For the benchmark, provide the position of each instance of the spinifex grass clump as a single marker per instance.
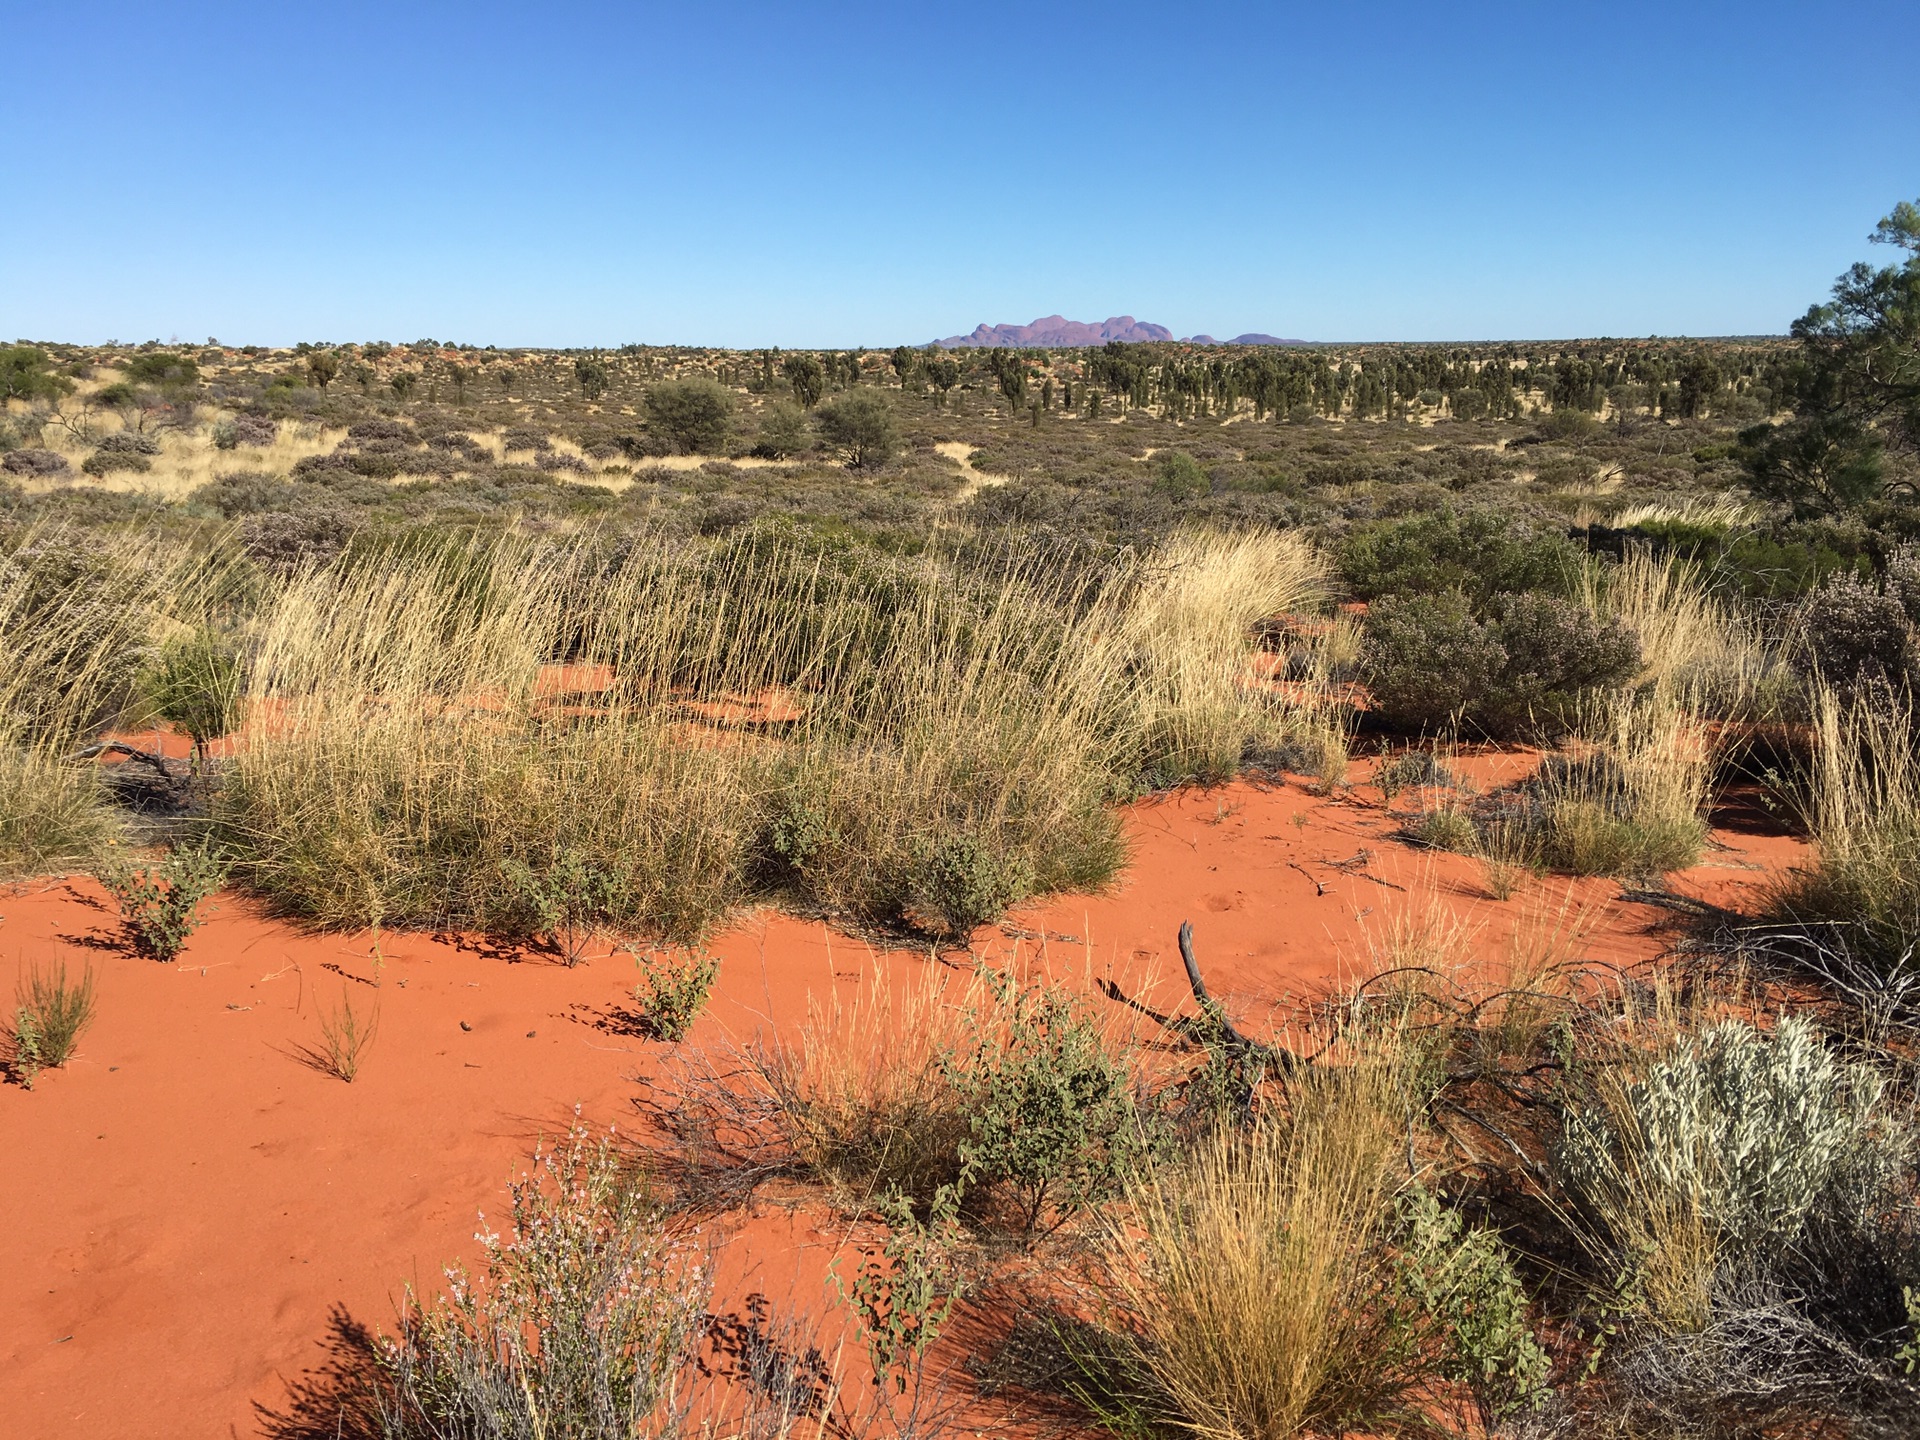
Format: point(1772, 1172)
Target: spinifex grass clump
point(1624, 796)
point(458, 740)
point(1862, 803)
point(79, 617)
point(160, 901)
point(48, 1017)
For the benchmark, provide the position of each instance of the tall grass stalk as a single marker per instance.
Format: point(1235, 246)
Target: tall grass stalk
point(1862, 805)
point(1251, 1270)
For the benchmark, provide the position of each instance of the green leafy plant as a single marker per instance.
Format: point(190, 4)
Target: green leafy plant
point(675, 991)
point(1054, 1123)
point(195, 686)
point(565, 901)
point(1461, 1278)
point(160, 902)
point(49, 1015)
point(904, 1292)
point(585, 1320)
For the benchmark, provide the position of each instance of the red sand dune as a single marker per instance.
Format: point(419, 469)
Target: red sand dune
point(188, 1202)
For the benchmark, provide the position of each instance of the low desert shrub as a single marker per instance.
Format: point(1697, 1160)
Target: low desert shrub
point(1480, 553)
point(1858, 640)
point(564, 902)
point(49, 1015)
point(675, 990)
point(1430, 662)
point(160, 901)
point(1054, 1126)
point(1743, 1193)
point(284, 541)
point(585, 1320)
point(33, 463)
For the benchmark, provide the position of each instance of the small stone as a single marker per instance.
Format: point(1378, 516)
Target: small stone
point(465, 1026)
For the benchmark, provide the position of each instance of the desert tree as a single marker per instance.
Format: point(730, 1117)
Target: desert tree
point(592, 374)
point(943, 374)
point(26, 374)
point(807, 376)
point(403, 382)
point(1855, 437)
point(859, 426)
point(506, 375)
point(693, 414)
point(322, 367)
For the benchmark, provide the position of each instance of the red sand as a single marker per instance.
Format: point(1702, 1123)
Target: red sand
point(187, 1202)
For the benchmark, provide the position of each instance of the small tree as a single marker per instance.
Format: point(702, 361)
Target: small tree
point(322, 366)
point(860, 426)
point(943, 374)
point(506, 376)
point(807, 376)
point(694, 414)
point(904, 360)
point(783, 431)
point(403, 382)
point(24, 375)
point(592, 373)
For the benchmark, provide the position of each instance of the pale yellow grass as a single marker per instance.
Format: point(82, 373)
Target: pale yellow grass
point(188, 457)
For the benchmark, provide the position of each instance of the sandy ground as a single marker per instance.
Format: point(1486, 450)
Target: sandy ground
point(189, 1204)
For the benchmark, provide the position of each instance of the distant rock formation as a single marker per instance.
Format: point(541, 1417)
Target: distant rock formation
point(1056, 332)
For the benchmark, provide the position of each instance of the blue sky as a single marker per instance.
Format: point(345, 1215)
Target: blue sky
point(805, 174)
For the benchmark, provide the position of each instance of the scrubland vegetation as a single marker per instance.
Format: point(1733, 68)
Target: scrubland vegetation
point(589, 650)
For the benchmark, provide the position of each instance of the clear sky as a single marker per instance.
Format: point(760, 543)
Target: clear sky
point(811, 174)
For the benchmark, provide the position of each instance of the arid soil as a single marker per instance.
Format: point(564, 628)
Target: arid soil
point(191, 1203)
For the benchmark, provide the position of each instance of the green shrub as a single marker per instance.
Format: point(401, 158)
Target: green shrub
point(783, 432)
point(564, 901)
point(960, 881)
point(1054, 1126)
point(694, 415)
point(675, 990)
point(48, 1018)
point(859, 426)
point(195, 686)
point(160, 902)
point(1479, 553)
point(1429, 661)
point(1179, 476)
point(1461, 1279)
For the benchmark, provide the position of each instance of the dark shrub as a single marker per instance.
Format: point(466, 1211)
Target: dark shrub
point(286, 540)
point(129, 442)
point(521, 438)
point(1428, 659)
point(1180, 477)
point(693, 414)
point(33, 462)
point(246, 492)
point(783, 432)
point(1480, 553)
point(368, 431)
point(106, 462)
point(1859, 639)
point(1556, 650)
point(859, 425)
point(254, 430)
